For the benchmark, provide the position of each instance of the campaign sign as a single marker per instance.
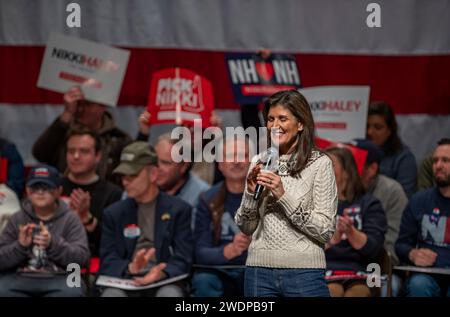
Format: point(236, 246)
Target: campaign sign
point(340, 112)
point(254, 78)
point(180, 96)
point(98, 69)
point(360, 155)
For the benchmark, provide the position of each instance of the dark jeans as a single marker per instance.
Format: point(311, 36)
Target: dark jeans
point(218, 282)
point(272, 282)
point(427, 285)
point(16, 285)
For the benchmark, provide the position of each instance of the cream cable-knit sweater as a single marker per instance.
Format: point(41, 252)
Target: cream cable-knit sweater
point(291, 232)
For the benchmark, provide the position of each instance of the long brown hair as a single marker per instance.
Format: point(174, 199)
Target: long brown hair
point(354, 187)
point(393, 144)
point(296, 103)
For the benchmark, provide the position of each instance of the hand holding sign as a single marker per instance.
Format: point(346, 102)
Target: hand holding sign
point(71, 99)
point(70, 61)
point(215, 120)
point(144, 123)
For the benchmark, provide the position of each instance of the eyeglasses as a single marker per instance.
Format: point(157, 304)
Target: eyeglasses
point(41, 187)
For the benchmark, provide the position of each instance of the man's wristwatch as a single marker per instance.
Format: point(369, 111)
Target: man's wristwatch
point(89, 220)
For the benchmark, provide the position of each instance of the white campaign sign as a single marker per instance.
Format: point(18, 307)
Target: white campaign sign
point(97, 68)
point(340, 112)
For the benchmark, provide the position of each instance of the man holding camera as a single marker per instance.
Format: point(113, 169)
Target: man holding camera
point(41, 240)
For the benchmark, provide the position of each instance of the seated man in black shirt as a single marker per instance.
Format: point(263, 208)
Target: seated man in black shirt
point(83, 190)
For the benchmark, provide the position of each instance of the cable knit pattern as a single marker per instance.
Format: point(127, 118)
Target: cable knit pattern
point(291, 232)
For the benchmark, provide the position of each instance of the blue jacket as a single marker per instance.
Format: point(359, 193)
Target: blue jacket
point(401, 167)
point(426, 224)
point(173, 236)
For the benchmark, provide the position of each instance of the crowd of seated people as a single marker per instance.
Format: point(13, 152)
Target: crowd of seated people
point(96, 194)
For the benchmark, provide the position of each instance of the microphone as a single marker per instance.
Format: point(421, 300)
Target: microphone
point(272, 154)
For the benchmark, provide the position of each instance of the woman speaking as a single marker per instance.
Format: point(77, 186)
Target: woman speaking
point(296, 214)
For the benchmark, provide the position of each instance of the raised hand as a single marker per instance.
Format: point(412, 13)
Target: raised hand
point(26, 234)
point(141, 259)
point(80, 202)
point(71, 99)
point(144, 123)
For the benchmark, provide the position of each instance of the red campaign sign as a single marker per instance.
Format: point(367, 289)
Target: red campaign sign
point(180, 96)
point(360, 155)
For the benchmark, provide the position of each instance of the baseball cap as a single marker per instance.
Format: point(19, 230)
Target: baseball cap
point(374, 152)
point(134, 157)
point(44, 174)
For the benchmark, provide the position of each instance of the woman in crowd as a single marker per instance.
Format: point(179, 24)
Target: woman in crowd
point(398, 163)
point(360, 230)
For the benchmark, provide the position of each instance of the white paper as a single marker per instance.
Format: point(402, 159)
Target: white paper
point(128, 284)
point(429, 270)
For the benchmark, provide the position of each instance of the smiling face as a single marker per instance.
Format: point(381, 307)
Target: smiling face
point(284, 127)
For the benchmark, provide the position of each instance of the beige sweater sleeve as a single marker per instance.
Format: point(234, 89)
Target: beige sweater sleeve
point(315, 217)
point(247, 216)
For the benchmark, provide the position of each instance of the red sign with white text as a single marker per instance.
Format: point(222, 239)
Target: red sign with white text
point(180, 96)
point(360, 155)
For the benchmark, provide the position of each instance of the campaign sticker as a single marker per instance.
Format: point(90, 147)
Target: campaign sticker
point(132, 231)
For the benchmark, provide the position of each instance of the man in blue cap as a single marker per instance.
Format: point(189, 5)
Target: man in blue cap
point(41, 240)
